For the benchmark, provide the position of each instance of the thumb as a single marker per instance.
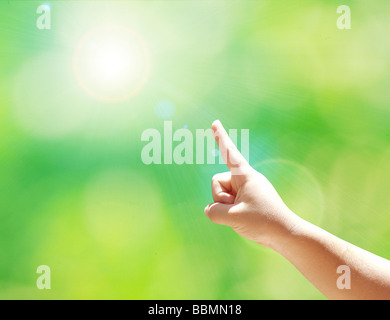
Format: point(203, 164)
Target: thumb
point(219, 213)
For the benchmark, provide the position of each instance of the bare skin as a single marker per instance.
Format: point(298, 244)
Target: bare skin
point(247, 202)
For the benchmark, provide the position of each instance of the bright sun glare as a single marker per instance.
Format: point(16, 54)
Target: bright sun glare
point(111, 63)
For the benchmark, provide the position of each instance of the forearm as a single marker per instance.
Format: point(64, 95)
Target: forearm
point(317, 254)
point(249, 204)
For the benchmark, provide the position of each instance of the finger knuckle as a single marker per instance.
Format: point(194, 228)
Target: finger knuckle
point(214, 181)
point(212, 217)
point(215, 177)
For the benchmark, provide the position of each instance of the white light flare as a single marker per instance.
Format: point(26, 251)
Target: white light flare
point(111, 63)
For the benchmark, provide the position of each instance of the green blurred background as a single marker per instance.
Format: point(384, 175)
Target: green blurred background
point(74, 194)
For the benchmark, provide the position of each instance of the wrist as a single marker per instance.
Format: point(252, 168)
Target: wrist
point(291, 230)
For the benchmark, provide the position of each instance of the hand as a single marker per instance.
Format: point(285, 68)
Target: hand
point(245, 200)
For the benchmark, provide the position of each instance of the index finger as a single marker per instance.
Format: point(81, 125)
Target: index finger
point(230, 154)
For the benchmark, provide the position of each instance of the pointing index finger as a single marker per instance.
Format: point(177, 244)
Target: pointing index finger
point(230, 154)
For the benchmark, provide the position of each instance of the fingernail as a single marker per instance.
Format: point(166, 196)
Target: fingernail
point(215, 123)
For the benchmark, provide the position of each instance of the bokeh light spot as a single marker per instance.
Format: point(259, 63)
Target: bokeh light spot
point(165, 109)
point(216, 153)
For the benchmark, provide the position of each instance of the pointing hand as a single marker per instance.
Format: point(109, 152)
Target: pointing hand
point(245, 200)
